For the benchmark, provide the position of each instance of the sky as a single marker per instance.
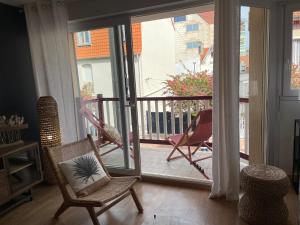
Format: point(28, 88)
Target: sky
point(245, 15)
point(244, 12)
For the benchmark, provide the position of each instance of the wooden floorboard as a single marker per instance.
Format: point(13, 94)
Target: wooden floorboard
point(163, 205)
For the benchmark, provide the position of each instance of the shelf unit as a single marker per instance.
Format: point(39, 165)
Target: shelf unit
point(20, 170)
point(20, 166)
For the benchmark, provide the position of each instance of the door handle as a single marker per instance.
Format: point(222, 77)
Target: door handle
point(130, 105)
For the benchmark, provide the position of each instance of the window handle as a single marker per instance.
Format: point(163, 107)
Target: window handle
point(130, 105)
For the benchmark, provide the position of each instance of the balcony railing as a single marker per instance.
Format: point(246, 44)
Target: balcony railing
point(159, 117)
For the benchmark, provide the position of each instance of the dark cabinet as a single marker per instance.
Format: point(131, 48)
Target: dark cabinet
point(296, 156)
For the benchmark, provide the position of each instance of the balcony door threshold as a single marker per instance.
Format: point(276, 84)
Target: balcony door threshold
point(177, 181)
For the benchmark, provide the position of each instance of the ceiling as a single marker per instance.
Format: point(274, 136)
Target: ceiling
point(16, 2)
point(21, 2)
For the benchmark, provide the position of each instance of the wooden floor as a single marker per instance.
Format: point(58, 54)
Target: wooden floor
point(170, 205)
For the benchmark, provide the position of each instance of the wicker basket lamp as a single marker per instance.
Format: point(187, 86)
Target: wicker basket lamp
point(50, 135)
point(264, 188)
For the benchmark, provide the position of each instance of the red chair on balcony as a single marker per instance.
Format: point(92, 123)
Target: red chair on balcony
point(197, 134)
point(107, 136)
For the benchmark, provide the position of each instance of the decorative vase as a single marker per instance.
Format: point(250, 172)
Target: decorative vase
point(50, 135)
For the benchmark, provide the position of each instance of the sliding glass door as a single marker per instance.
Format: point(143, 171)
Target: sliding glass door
point(106, 82)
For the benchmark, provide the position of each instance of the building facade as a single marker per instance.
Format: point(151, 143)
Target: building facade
point(194, 35)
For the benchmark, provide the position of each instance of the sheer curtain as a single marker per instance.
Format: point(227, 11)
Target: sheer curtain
point(48, 35)
point(226, 100)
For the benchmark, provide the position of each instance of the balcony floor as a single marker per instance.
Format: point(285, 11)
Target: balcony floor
point(153, 161)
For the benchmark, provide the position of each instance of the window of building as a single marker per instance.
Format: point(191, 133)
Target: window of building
point(192, 27)
point(86, 80)
point(83, 38)
point(179, 19)
point(87, 73)
point(193, 44)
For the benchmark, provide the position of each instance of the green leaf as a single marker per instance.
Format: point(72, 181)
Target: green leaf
point(85, 167)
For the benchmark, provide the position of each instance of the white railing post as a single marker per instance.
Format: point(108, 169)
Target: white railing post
point(165, 119)
point(142, 118)
point(157, 120)
point(172, 117)
point(180, 117)
point(189, 115)
point(107, 112)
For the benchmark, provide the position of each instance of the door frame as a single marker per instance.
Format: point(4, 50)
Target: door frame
point(111, 20)
point(116, 23)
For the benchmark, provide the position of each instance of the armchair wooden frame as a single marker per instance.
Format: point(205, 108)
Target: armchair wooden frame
point(112, 193)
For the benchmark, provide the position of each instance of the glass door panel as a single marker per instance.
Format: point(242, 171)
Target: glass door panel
point(295, 66)
point(291, 80)
point(107, 92)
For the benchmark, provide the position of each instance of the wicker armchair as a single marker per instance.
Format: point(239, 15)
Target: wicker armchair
point(116, 190)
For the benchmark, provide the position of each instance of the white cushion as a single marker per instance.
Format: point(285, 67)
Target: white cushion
point(113, 132)
point(85, 174)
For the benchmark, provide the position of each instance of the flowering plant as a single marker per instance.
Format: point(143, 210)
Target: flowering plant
point(197, 84)
point(295, 76)
point(87, 91)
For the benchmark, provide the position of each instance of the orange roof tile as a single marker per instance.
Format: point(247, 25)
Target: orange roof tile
point(99, 47)
point(208, 16)
point(245, 60)
point(203, 53)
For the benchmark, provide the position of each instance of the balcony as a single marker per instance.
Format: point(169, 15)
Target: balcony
point(158, 118)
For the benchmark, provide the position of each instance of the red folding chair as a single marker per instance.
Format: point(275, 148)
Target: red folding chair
point(106, 138)
point(197, 134)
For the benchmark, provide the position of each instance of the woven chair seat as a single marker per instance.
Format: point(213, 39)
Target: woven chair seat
point(116, 187)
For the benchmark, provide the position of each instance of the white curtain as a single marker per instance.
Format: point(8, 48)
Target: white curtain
point(49, 43)
point(226, 100)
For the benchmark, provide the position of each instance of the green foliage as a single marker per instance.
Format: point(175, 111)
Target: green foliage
point(87, 91)
point(295, 77)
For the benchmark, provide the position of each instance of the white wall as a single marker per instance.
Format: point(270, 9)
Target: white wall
point(103, 81)
point(158, 54)
point(102, 76)
point(190, 58)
